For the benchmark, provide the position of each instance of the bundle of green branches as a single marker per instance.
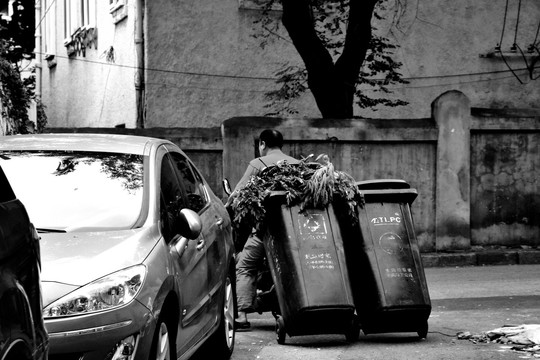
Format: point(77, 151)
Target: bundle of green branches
point(308, 184)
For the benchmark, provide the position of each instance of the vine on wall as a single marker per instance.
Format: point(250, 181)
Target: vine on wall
point(18, 93)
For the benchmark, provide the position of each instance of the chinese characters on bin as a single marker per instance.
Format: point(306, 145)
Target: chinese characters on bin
point(319, 261)
point(399, 273)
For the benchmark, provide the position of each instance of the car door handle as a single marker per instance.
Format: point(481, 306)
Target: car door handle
point(181, 246)
point(201, 244)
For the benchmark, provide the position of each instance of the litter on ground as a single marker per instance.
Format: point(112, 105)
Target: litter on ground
point(524, 338)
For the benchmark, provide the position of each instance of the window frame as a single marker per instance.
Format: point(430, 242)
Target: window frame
point(164, 207)
point(78, 14)
point(49, 25)
point(198, 180)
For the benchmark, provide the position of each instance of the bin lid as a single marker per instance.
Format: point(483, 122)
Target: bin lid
point(387, 190)
point(379, 184)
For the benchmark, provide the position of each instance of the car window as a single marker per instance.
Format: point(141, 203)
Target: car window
point(172, 199)
point(6, 192)
point(71, 191)
point(191, 181)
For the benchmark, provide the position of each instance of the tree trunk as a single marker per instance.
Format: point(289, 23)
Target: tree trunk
point(332, 85)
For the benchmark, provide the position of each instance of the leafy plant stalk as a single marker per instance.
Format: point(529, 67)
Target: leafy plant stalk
point(307, 184)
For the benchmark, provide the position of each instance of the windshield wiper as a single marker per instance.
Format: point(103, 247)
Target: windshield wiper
point(45, 230)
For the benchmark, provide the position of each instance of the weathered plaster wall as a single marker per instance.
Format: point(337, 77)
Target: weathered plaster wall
point(85, 90)
point(205, 66)
point(452, 110)
point(506, 187)
point(364, 148)
point(476, 170)
point(441, 42)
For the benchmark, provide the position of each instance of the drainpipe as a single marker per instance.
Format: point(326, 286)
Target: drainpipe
point(139, 50)
point(37, 51)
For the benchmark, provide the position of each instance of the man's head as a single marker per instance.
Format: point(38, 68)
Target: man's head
point(268, 140)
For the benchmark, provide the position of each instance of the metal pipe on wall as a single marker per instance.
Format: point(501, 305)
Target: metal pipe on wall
point(139, 49)
point(37, 50)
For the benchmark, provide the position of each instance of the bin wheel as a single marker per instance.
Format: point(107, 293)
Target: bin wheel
point(423, 331)
point(353, 331)
point(280, 330)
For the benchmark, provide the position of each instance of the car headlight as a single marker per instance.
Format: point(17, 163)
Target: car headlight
point(111, 291)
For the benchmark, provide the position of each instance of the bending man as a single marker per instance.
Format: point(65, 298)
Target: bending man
point(250, 259)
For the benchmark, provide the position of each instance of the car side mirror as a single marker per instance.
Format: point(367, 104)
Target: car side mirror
point(189, 224)
point(227, 186)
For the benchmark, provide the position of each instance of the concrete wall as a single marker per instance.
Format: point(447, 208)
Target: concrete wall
point(452, 113)
point(505, 173)
point(476, 170)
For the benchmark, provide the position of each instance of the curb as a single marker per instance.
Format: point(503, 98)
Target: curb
point(487, 257)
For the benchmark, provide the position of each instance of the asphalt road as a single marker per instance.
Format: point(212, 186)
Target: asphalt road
point(474, 299)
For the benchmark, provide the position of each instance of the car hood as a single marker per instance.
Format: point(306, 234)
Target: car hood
point(70, 260)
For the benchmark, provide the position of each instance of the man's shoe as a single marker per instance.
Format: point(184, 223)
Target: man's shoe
point(241, 325)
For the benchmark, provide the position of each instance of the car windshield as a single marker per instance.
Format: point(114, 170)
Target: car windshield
point(70, 191)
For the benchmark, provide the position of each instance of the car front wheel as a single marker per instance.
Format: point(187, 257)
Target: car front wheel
point(162, 345)
point(221, 344)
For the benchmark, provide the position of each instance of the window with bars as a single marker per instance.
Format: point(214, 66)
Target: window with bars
point(79, 26)
point(49, 28)
point(78, 14)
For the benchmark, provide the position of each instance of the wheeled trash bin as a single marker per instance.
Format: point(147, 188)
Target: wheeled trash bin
point(306, 258)
point(387, 275)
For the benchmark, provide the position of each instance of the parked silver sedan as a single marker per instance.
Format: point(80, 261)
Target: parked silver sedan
point(137, 252)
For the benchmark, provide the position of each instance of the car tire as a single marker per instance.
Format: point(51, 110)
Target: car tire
point(220, 345)
point(163, 344)
point(18, 353)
